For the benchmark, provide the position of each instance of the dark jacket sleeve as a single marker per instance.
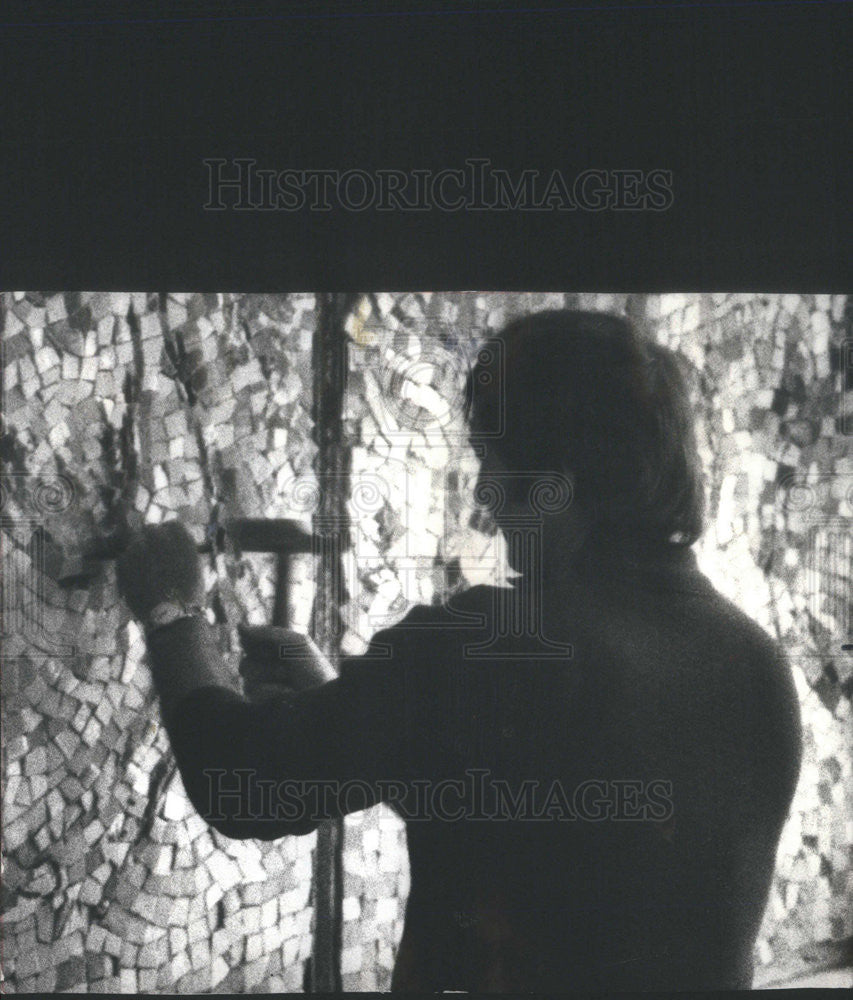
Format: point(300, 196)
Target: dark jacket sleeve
point(264, 770)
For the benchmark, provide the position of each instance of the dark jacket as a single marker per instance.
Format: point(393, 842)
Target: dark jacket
point(603, 817)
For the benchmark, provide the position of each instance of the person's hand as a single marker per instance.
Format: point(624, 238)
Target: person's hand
point(160, 564)
point(279, 660)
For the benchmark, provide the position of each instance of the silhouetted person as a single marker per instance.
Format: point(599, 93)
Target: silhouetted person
point(594, 796)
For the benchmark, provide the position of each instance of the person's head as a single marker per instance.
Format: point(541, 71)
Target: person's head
point(585, 395)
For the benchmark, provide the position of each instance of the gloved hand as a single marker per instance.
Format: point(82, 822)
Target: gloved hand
point(279, 660)
point(160, 564)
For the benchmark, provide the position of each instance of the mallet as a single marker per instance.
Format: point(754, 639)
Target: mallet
point(280, 536)
point(285, 538)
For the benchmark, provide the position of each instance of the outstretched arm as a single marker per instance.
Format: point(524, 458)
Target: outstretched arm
point(275, 767)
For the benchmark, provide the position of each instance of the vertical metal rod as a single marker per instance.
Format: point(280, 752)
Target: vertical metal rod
point(330, 519)
point(281, 599)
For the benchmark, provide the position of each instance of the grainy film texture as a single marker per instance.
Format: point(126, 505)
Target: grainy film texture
point(156, 406)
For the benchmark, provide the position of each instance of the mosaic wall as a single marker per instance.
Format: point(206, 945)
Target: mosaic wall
point(197, 406)
point(775, 374)
point(167, 406)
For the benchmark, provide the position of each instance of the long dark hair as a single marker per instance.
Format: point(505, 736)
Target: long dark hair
point(584, 393)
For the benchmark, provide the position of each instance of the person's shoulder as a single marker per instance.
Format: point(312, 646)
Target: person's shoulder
point(428, 629)
point(464, 608)
point(753, 656)
point(742, 629)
